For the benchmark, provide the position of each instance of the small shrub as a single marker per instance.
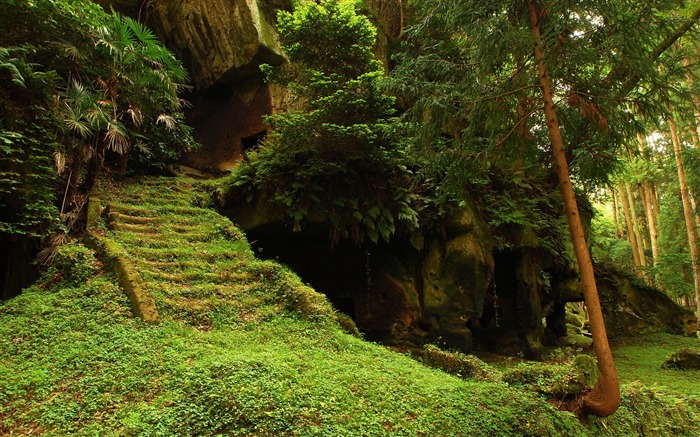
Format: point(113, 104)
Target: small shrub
point(75, 262)
point(459, 364)
point(555, 380)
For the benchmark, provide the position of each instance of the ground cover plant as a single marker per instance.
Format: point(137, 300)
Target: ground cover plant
point(242, 355)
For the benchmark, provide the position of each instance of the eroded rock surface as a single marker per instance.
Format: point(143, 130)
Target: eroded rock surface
point(220, 41)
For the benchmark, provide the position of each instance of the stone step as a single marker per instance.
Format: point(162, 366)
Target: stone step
point(130, 219)
point(146, 211)
point(179, 253)
point(169, 266)
point(206, 290)
point(148, 197)
point(167, 234)
point(194, 277)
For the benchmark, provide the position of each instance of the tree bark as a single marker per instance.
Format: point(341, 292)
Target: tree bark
point(628, 222)
point(649, 209)
point(618, 233)
point(655, 200)
point(604, 400)
point(635, 227)
point(688, 215)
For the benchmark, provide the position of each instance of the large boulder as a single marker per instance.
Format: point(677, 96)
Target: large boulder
point(630, 306)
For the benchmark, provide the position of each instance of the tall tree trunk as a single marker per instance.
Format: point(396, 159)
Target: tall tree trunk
point(618, 232)
point(655, 201)
point(696, 102)
point(628, 222)
point(605, 397)
point(94, 166)
point(635, 227)
point(649, 208)
point(688, 214)
point(653, 233)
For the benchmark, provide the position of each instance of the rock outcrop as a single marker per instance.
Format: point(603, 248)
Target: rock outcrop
point(630, 306)
point(220, 41)
point(222, 44)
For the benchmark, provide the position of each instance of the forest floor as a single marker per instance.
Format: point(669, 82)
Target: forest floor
point(245, 348)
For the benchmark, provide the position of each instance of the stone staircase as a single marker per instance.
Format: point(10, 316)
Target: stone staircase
point(194, 264)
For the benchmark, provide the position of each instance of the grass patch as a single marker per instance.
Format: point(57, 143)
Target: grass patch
point(261, 355)
point(640, 358)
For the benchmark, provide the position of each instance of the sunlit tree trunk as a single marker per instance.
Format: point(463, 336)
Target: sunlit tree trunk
point(688, 214)
point(655, 201)
point(649, 210)
point(605, 397)
point(628, 222)
point(696, 103)
point(635, 227)
point(618, 232)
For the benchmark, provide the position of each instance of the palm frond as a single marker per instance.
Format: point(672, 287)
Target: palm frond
point(16, 76)
point(167, 120)
point(142, 33)
point(60, 160)
point(117, 137)
point(136, 115)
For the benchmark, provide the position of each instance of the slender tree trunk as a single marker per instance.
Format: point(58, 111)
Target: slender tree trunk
point(649, 209)
point(618, 232)
point(653, 233)
point(605, 397)
point(635, 227)
point(655, 200)
point(696, 102)
point(95, 166)
point(688, 214)
point(644, 226)
point(694, 209)
point(628, 222)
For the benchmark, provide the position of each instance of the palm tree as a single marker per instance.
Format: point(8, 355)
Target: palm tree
point(139, 81)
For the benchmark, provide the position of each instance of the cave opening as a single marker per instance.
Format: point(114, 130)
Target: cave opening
point(17, 267)
point(339, 272)
point(360, 281)
point(251, 142)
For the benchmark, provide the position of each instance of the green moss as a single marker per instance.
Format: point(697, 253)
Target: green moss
point(554, 380)
point(260, 354)
point(456, 363)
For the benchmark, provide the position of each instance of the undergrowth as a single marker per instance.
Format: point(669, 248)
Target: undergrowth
point(256, 354)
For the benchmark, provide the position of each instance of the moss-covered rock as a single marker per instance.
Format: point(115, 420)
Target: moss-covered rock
point(683, 359)
point(456, 363)
point(456, 276)
point(220, 41)
point(629, 306)
point(555, 380)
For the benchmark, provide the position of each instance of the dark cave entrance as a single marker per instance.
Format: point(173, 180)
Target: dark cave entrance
point(17, 268)
point(360, 281)
point(251, 142)
point(339, 272)
point(496, 330)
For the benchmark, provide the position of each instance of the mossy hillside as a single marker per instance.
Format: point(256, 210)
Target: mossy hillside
point(74, 361)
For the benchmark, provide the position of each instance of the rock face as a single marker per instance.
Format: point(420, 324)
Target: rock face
point(222, 44)
point(629, 306)
point(456, 274)
point(220, 41)
point(227, 122)
point(443, 294)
